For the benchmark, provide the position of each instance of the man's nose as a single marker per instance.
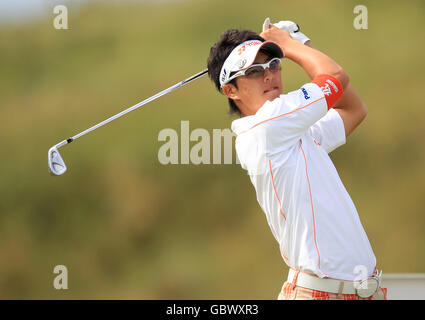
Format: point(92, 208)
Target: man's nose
point(267, 75)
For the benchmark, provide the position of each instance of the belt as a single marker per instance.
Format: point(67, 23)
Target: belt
point(364, 288)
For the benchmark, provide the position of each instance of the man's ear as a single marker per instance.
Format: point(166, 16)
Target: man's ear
point(230, 91)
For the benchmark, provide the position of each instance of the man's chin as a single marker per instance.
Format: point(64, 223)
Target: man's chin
point(272, 94)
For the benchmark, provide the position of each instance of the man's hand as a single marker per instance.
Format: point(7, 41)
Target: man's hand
point(350, 107)
point(288, 26)
point(277, 35)
point(314, 62)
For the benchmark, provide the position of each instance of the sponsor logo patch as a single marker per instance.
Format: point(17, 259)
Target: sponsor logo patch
point(241, 49)
point(326, 89)
point(241, 63)
point(306, 96)
point(223, 77)
point(333, 85)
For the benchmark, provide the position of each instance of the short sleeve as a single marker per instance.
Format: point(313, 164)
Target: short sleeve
point(284, 120)
point(329, 131)
point(305, 106)
point(278, 125)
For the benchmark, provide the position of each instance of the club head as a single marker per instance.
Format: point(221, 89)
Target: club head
point(56, 164)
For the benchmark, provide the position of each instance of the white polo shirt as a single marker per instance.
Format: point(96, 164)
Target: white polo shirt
point(284, 147)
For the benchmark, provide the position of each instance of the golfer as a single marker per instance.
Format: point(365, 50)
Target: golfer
point(283, 141)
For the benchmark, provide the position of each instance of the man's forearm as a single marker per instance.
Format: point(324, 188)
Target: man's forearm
point(311, 60)
point(314, 62)
point(351, 108)
point(350, 103)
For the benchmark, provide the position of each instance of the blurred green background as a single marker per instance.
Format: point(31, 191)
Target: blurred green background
point(127, 227)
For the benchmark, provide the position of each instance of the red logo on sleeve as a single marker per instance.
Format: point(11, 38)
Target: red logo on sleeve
point(331, 88)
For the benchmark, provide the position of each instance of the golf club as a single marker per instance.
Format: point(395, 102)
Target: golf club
point(57, 165)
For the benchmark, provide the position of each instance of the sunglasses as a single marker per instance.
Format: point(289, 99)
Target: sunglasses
point(257, 70)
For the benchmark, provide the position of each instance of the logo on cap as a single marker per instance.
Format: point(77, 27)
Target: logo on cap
point(241, 49)
point(223, 77)
point(241, 63)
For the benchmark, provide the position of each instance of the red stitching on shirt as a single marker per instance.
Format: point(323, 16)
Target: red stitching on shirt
point(284, 114)
point(274, 187)
point(311, 201)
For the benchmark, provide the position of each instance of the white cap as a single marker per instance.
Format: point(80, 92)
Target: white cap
point(243, 56)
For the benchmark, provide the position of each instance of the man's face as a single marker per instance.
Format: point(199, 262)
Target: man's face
point(252, 92)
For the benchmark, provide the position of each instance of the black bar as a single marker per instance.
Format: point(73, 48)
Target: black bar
point(200, 309)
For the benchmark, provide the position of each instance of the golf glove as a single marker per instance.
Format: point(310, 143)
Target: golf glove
point(291, 27)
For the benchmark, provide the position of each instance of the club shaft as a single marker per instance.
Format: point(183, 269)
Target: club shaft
point(136, 106)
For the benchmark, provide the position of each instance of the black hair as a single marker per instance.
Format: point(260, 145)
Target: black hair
point(219, 52)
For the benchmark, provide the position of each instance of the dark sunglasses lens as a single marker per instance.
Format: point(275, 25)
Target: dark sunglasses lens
point(274, 65)
point(253, 71)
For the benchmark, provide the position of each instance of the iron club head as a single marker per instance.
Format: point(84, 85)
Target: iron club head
point(56, 164)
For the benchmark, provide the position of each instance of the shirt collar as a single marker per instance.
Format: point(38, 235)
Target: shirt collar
point(241, 124)
point(245, 123)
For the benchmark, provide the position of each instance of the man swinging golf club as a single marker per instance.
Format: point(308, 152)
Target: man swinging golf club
point(283, 141)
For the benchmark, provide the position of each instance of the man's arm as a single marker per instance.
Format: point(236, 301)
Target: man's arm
point(311, 60)
point(350, 107)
